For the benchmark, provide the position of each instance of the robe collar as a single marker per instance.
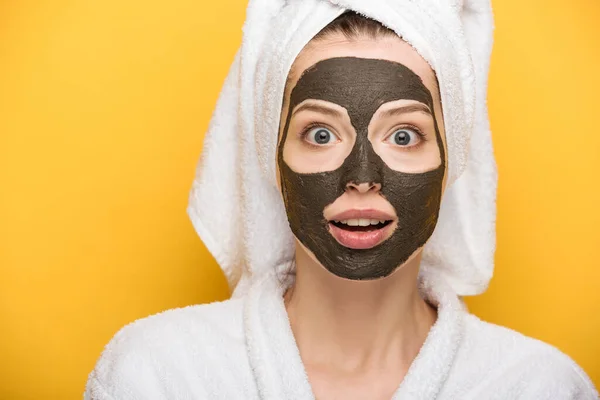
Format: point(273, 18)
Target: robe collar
point(275, 358)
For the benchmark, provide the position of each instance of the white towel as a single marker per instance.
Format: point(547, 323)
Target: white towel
point(234, 203)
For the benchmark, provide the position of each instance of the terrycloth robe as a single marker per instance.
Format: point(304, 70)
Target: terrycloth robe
point(244, 348)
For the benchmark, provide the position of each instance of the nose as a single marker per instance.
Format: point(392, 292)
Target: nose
point(364, 187)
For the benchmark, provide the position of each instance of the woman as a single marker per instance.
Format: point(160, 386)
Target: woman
point(351, 234)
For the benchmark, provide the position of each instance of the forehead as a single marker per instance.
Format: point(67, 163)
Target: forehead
point(383, 48)
point(359, 84)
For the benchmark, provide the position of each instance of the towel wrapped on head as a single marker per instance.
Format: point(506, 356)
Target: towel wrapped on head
point(235, 205)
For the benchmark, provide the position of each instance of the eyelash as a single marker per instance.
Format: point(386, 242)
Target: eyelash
point(308, 128)
point(422, 136)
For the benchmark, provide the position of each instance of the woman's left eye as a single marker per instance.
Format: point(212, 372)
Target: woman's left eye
point(405, 137)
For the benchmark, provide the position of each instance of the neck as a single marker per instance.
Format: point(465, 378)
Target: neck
point(357, 325)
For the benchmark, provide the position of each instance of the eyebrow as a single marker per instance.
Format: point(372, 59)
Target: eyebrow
point(318, 108)
point(419, 107)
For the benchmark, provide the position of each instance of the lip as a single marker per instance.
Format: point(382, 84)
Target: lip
point(366, 213)
point(361, 240)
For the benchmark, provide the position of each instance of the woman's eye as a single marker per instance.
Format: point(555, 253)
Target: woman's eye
point(405, 137)
point(320, 135)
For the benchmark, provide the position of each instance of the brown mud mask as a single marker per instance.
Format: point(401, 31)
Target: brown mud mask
point(361, 86)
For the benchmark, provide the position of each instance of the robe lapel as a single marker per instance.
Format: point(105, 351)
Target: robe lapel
point(272, 350)
point(279, 371)
point(430, 369)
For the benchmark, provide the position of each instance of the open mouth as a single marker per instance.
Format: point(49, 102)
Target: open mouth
point(361, 233)
point(361, 225)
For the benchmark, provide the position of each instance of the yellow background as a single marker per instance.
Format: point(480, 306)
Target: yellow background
point(103, 105)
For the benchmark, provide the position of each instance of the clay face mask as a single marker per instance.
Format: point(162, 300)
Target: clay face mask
point(361, 86)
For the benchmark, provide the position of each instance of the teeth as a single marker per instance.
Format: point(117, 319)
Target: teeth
point(361, 222)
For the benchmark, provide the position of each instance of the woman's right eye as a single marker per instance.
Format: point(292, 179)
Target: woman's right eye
point(320, 135)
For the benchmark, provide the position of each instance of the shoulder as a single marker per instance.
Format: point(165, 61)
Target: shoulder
point(166, 352)
point(512, 365)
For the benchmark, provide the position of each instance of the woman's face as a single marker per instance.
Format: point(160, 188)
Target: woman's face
point(361, 155)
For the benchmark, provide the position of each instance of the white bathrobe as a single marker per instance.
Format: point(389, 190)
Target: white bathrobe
point(244, 349)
